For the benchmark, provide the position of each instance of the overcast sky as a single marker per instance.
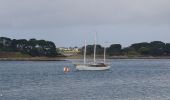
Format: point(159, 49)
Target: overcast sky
point(70, 22)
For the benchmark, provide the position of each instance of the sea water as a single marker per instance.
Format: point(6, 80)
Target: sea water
point(128, 79)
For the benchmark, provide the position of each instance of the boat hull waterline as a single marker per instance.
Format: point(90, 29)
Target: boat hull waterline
point(86, 67)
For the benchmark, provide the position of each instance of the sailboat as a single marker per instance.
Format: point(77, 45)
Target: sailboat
point(94, 65)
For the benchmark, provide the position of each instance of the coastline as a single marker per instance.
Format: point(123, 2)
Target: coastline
point(121, 57)
point(78, 57)
point(34, 59)
point(144, 57)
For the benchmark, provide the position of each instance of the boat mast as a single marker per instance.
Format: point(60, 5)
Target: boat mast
point(104, 55)
point(85, 52)
point(95, 49)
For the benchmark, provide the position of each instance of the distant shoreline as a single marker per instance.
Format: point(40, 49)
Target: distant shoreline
point(76, 57)
point(121, 57)
point(139, 58)
point(33, 59)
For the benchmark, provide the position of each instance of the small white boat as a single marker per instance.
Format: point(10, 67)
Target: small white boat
point(94, 65)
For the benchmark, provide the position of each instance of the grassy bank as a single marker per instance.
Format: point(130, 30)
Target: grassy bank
point(17, 56)
point(13, 55)
point(120, 57)
point(32, 59)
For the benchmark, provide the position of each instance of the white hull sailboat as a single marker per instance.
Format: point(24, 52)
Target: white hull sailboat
point(94, 65)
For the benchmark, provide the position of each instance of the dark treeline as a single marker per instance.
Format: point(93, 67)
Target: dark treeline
point(35, 47)
point(114, 49)
point(32, 47)
point(155, 48)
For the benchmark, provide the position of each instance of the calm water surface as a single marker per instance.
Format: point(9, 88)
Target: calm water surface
point(126, 80)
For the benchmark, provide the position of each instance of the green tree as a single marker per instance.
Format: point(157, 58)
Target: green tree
point(114, 49)
point(5, 44)
point(167, 48)
point(138, 46)
point(144, 51)
point(90, 50)
point(157, 48)
point(129, 51)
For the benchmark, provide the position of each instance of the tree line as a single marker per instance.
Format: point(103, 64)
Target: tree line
point(32, 47)
point(35, 47)
point(154, 48)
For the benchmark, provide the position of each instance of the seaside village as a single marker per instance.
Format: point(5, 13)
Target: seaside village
point(70, 51)
point(6, 47)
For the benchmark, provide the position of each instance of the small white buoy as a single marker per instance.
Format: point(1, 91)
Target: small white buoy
point(66, 69)
point(1, 95)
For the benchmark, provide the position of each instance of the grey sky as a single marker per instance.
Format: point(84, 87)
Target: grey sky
point(69, 22)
